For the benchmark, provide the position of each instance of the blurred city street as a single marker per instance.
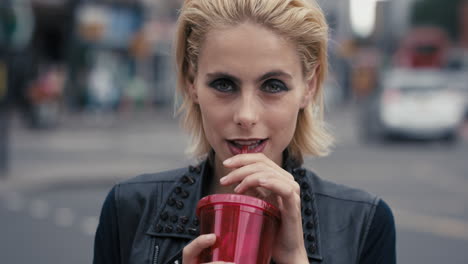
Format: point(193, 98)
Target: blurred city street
point(86, 100)
point(58, 180)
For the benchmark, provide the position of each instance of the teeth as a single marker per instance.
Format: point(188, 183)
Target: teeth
point(252, 147)
point(247, 143)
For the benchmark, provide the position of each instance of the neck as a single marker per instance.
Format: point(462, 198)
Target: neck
point(219, 171)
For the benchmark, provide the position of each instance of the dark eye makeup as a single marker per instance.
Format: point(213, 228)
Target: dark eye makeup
point(223, 85)
point(274, 86)
point(270, 86)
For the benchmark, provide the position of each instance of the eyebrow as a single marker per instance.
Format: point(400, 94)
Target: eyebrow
point(274, 73)
point(223, 75)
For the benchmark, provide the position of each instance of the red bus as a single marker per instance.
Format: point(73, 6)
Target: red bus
point(423, 47)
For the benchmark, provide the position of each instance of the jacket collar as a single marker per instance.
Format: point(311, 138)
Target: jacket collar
point(176, 217)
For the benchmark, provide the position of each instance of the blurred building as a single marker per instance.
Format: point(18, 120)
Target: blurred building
point(401, 11)
point(110, 51)
point(463, 24)
point(338, 11)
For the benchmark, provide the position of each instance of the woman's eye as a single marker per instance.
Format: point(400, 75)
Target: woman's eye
point(223, 85)
point(274, 86)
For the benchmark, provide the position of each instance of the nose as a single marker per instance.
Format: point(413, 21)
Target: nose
point(246, 114)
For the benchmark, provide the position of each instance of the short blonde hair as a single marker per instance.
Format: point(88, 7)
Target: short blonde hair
point(301, 22)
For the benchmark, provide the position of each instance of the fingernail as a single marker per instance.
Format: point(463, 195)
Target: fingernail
point(237, 188)
point(223, 179)
point(210, 237)
point(227, 162)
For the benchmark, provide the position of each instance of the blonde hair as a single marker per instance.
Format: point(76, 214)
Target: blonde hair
point(301, 22)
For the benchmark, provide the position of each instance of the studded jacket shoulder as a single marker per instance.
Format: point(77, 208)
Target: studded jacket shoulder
point(154, 218)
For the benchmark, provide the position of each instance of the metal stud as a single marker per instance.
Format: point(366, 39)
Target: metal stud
point(179, 204)
point(305, 185)
point(192, 231)
point(171, 201)
point(313, 248)
point(174, 218)
point(196, 222)
point(310, 237)
point(179, 229)
point(159, 228)
point(184, 179)
point(191, 168)
point(299, 172)
point(307, 197)
point(184, 219)
point(178, 190)
point(184, 194)
point(308, 211)
point(302, 172)
point(164, 216)
point(168, 228)
point(188, 179)
point(310, 225)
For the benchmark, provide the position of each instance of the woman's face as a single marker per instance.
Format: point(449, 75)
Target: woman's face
point(250, 87)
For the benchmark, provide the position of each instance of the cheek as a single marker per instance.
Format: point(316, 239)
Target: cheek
point(284, 122)
point(214, 116)
point(281, 119)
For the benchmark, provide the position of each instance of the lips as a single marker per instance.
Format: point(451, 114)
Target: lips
point(250, 145)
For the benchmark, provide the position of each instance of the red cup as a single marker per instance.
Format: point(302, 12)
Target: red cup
point(245, 228)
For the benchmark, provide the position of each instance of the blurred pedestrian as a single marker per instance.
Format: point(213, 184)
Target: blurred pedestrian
point(7, 25)
point(250, 74)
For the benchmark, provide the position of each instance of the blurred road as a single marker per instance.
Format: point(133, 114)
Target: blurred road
point(50, 204)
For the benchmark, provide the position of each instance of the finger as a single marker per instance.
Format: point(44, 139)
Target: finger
point(257, 180)
point(263, 194)
point(246, 159)
point(193, 249)
point(258, 192)
point(289, 192)
point(239, 174)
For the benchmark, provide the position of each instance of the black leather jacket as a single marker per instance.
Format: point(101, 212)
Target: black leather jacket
point(155, 217)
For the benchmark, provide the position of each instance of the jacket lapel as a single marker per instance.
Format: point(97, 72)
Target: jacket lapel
point(175, 216)
point(310, 217)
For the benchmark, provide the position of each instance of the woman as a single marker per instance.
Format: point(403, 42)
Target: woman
point(250, 73)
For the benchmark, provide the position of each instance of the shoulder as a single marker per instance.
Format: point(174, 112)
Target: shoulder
point(328, 190)
point(380, 243)
point(149, 180)
point(341, 207)
point(137, 191)
point(383, 221)
point(159, 177)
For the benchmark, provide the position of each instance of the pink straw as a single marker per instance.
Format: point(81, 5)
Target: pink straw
point(244, 149)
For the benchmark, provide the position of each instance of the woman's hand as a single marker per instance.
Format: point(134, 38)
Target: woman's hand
point(191, 252)
point(259, 176)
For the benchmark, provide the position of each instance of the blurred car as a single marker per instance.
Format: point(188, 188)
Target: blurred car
point(414, 104)
point(458, 67)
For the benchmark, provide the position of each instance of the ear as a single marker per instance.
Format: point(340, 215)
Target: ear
point(311, 89)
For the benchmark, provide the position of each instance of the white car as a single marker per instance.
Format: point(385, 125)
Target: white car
point(416, 103)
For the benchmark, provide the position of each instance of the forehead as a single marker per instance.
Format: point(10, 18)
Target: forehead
point(248, 49)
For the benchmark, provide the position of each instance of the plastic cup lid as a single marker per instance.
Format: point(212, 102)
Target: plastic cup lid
point(238, 199)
